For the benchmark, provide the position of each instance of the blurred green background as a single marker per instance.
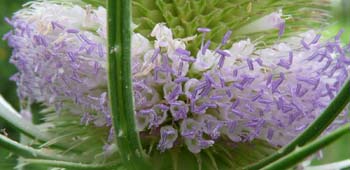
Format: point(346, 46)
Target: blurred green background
point(339, 150)
point(7, 87)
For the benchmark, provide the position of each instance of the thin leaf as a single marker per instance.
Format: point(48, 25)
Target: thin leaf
point(29, 152)
point(70, 165)
point(312, 131)
point(301, 153)
point(120, 84)
point(10, 115)
point(336, 165)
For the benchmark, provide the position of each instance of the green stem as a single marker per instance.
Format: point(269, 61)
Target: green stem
point(70, 165)
point(314, 130)
point(28, 152)
point(120, 84)
point(301, 153)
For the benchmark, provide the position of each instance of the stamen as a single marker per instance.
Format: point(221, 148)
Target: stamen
point(204, 31)
point(206, 46)
point(339, 34)
point(72, 31)
point(315, 40)
point(183, 52)
point(281, 28)
point(155, 54)
point(250, 63)
point(306, 46)
point(226, 37)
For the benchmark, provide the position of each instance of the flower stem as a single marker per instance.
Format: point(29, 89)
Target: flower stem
point(312, 131)
point(301, 153)
point(70, 165)
point(120, 84)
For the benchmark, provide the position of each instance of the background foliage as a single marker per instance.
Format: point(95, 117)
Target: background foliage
point(335, 152)
point(7, 88)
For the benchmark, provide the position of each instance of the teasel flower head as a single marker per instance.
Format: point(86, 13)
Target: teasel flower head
point(190, 91)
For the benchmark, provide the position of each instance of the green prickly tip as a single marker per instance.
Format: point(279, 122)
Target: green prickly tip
point(184, 17)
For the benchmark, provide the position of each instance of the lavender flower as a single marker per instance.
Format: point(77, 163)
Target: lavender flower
point(190, 97)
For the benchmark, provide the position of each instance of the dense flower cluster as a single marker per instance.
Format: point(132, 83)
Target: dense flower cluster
point(60, 62)
point(241, 93)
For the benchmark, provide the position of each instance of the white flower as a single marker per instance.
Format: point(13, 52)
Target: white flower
point(204, 61)
point(267, 22)
point(140, 45)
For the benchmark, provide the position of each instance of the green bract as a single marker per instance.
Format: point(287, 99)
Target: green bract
point(184, 17)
